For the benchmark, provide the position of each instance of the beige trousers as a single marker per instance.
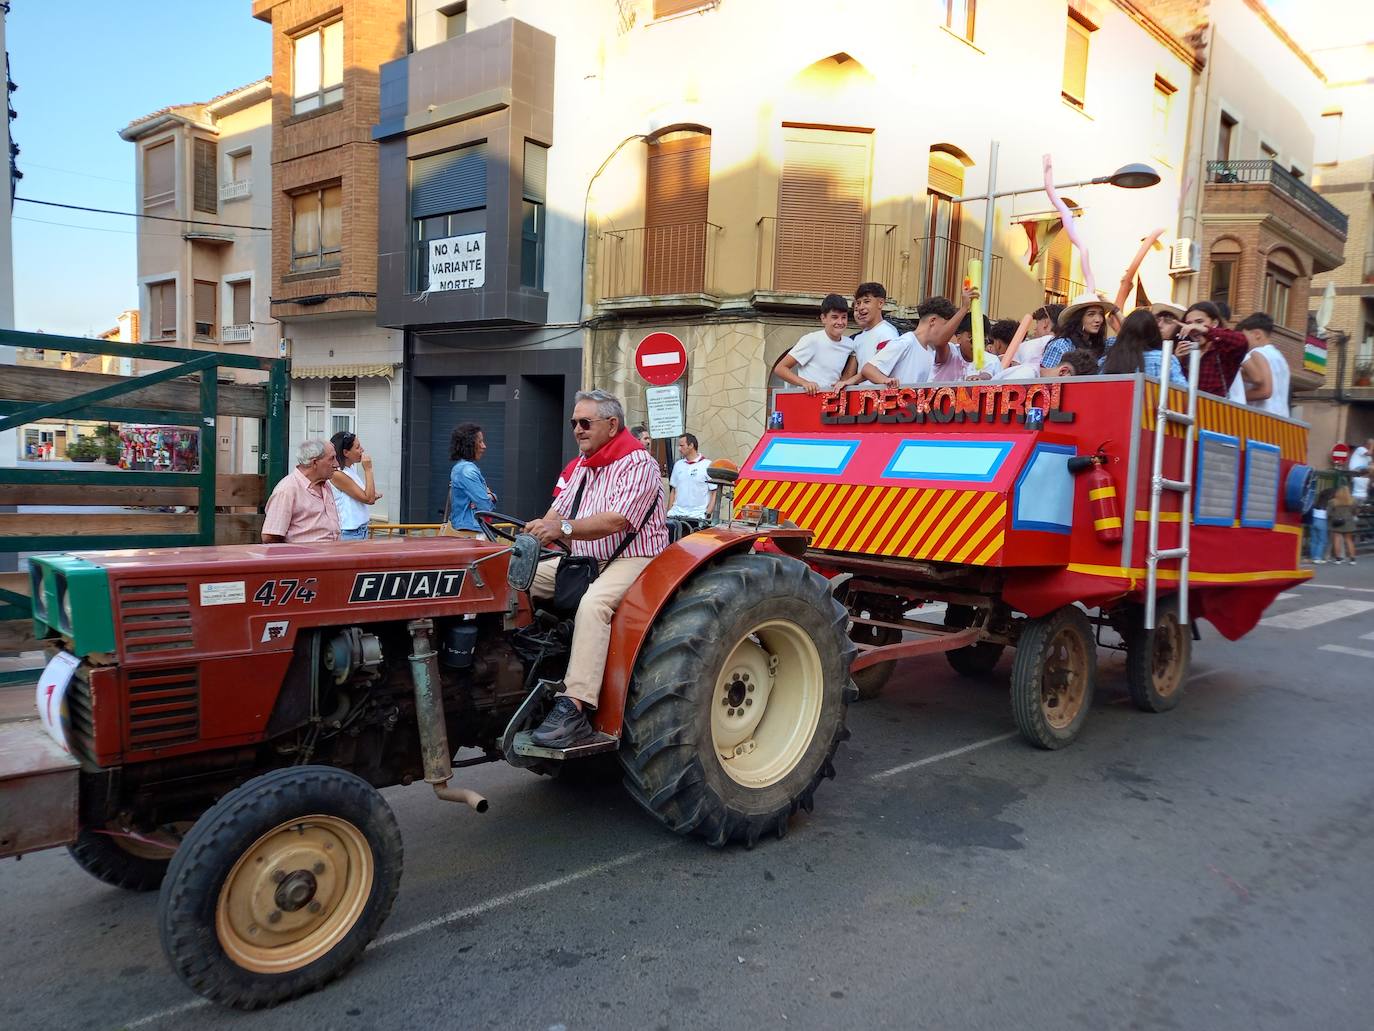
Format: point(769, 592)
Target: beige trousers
point(592, 624)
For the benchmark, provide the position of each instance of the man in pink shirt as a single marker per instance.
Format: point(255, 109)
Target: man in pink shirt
point(301, 509)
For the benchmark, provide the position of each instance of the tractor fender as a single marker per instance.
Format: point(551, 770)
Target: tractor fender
point(670, 569)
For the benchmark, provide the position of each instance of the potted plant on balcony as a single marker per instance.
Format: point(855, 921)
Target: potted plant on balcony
point(1364, 374)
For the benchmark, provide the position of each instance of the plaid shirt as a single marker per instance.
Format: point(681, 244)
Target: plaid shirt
point(1221, 361)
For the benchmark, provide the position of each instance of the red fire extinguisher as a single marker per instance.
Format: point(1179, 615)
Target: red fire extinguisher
point(1102, 500)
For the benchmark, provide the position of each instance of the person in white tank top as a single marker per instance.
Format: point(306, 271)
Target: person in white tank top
point(1265, 370)
point(352, 486)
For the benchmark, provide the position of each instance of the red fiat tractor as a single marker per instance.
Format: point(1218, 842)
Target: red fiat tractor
point(216, 722)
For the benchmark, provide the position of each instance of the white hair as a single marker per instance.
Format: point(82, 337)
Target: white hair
point(608, 406)
point(309, 450)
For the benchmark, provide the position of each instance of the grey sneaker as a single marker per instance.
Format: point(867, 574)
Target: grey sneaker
point(565, 726)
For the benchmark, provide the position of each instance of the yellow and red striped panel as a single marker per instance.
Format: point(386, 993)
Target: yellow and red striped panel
point(1245, 423)
point(964, 526)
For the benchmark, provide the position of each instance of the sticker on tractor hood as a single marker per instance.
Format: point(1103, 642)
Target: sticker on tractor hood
point(229, 592)
point(275, 630)
point(414, 585)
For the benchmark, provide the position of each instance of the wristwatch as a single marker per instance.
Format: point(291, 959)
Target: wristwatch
point(566, 527)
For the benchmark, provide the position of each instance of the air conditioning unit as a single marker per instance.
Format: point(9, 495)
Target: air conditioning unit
point(1184, 256)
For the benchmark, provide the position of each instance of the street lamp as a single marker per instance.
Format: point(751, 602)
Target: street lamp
point(1135, 176)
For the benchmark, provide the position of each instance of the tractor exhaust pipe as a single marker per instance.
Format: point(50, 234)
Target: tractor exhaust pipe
point(429, 717)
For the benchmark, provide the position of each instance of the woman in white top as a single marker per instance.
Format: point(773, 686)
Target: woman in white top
point(352, 486)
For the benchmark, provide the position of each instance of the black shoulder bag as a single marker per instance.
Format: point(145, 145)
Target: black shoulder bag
point(576, 573)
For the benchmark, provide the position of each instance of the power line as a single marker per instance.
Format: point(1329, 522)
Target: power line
point(135, 214)
point(103, 229)
point(72, 171)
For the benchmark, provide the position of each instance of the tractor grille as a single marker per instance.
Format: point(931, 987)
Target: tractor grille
point(156, 618)
point(164, 706)
point(79, 710)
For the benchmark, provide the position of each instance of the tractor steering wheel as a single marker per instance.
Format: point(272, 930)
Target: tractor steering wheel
point(500, 526)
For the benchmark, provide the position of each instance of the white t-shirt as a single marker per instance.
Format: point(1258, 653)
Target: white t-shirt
point(352, 513)
point(907, 359)
point(1016, 373)
point(1359, 459)
point(1359, 488)
point(1277, 401)
point(693, 488)
point(866, 343)
point(1032, 350)
point(820, 359)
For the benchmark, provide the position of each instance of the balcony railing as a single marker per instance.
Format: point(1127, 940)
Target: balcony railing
point(1061, 290)
point(804, 258)
point(942, 264)
point(235, 189)
point(657, 261)
point(1228, 173)
point(237, 334)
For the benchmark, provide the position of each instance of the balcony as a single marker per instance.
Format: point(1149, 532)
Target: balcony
point(1248, 173)
point(658, 267)
point(238, 334)
point(1061, 289)
point(236, 189)
point(799, 261)
point(942, 263)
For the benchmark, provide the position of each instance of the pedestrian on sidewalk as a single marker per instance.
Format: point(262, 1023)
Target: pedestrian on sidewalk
point(1342, 514)
point(1317, 533)
point(353, 487)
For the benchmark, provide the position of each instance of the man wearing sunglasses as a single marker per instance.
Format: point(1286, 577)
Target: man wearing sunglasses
point(615, 492)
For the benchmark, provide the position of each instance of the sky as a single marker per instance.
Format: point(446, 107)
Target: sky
point(85, 69)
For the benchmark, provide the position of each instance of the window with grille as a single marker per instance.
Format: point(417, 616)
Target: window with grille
point(1077, 36)
point(317, 72)
point(204, 297)
point(343, 405)
point(448, 197)
point(162, 310)
point(159, 174)
point(317, 229)
point(206, 176)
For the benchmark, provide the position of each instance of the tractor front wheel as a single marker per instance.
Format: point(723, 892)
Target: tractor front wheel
point(279, 887)
point(738, 700)
point(120, 859)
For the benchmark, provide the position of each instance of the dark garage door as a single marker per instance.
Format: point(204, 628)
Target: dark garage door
point(479, 399)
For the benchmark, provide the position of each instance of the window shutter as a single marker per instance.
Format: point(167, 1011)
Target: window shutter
point(536, 172)
point(243, 298)
point(159, 173)
point(206, 175)
point(1075, 60)
point(946, 175)
point(204, 308)
point(676, 197)
point(668, 8)
point(822, 202)
point(455, 180)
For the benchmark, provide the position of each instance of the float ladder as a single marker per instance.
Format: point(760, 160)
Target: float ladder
point(1159, 483)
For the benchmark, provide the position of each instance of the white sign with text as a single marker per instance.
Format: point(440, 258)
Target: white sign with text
point(665, 411)
point(458, 262)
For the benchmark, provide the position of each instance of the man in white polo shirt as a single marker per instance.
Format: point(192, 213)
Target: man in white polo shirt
point(689, 492)
point(820, 359)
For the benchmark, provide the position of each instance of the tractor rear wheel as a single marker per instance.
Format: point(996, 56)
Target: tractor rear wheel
point(1053, 676)
point(738, 700)
point(279, 887)
point(120, 860)
point(977, 660)
point(1157, 660)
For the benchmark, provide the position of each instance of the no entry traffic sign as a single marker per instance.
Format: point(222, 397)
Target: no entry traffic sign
point(660, 359)
point(1339, 454)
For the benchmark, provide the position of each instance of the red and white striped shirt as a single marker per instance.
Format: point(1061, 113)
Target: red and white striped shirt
point(632, 486)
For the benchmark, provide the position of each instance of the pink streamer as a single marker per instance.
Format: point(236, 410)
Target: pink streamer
point(1070, 226)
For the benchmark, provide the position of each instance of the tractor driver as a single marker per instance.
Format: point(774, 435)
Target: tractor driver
point(615, 493)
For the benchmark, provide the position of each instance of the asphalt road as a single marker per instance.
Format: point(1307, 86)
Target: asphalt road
point(1207, 868)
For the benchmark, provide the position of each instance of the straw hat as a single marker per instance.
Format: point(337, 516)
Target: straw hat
point(1085, 301)
point(1165, 308)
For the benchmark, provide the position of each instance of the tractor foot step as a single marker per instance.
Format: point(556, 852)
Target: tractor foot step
point(525, 747)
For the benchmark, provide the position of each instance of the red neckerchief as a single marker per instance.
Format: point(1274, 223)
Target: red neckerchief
point(565, 477)
point(622, 444)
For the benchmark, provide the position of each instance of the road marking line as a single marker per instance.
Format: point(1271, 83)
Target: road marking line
point(943, 755)
point(1338, 587)
point(1363, 653)
point(1315, 615)
point(516, 896)
point(456, 915)
point(1367, 637)
point(1285, 597)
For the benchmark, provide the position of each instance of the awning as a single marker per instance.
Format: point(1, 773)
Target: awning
point(357, 371)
